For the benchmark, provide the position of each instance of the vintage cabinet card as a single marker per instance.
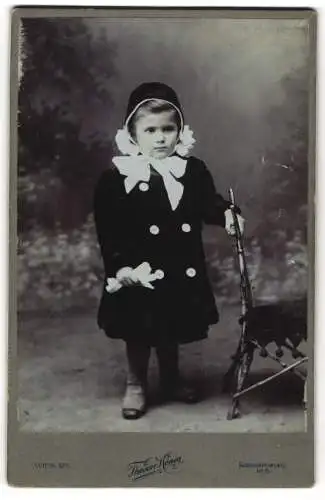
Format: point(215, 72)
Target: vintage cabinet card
point(162, 247)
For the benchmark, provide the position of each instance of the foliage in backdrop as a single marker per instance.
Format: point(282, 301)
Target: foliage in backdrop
point(63, 89)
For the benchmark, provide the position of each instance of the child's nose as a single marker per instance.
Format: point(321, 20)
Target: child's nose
point(160, 136)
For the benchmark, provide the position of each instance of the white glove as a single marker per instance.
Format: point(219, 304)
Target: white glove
point(229, 224)
point(126, 276)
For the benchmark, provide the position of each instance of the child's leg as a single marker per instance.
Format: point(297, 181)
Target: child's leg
point(171, 385)
point(134, 401)
point(167, 355)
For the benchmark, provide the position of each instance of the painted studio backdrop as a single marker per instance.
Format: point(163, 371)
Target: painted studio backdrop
point(243, 85)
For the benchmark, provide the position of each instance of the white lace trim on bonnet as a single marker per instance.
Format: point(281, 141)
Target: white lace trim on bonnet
point(127, 145)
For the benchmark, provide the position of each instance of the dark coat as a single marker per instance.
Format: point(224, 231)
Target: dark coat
point(181, 307)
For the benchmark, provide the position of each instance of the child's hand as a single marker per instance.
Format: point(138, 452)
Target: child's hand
point(229, 224)
point(126, 276)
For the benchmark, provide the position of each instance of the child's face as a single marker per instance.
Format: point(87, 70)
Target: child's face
point(156, 133)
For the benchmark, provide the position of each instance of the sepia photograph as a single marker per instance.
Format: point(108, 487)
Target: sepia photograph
point(164, 225)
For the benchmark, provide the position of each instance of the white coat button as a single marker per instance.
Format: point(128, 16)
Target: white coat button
point(191, 272)
point(186, 228)
point(143, 186)
point(154, 229)
point(159, 274)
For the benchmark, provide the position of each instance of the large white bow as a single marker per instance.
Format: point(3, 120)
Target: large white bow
point(137, 169)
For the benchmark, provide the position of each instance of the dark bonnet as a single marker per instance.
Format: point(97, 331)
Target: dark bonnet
point(152, 90)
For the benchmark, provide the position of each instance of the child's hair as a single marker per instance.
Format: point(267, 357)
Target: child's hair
point(153, 106)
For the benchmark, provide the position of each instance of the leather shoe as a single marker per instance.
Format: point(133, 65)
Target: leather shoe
point(134, 402)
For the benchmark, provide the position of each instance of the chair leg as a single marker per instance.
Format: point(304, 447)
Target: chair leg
point(228, 379)
point(242, 370)
point(305, 404)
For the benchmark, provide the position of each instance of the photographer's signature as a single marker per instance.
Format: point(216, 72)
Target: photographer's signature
point(152, 465)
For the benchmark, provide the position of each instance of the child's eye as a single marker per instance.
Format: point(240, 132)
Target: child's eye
point(169, 128)
point(151, 130)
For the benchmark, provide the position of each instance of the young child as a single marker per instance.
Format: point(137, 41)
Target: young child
point(149, 209)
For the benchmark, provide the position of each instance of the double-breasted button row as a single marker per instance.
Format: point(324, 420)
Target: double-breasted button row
point(154, 229)
point(143, 186)
point(159, 274)
point(190, 272)
point(186, 228)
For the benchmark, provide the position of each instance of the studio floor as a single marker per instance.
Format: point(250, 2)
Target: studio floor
point(71, 379)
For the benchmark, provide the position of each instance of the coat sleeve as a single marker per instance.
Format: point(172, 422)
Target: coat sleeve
point(213, 204)
point(108, 225)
